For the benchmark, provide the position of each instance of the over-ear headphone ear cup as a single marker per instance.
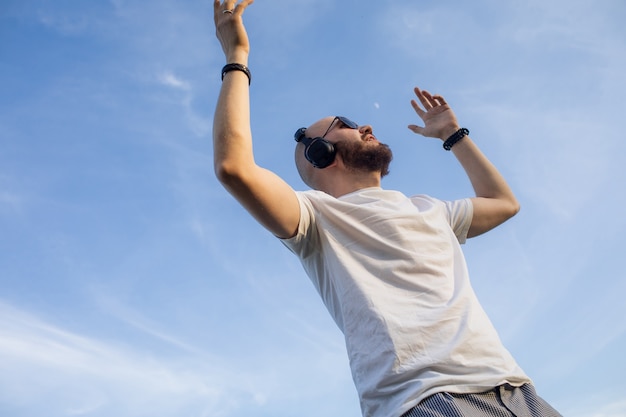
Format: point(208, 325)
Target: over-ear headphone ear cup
point(320, 153)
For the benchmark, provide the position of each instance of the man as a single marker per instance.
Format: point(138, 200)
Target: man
point(389, 268)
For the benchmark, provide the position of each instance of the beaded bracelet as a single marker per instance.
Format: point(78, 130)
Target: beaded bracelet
point(237, 67)
point(454, 138)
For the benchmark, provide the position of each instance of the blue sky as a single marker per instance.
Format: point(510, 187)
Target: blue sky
point(132, 284)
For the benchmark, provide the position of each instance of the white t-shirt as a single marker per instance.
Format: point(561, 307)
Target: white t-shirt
point(391, 273)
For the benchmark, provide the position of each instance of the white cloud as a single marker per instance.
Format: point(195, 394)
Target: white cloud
point(133, 318)
point(77, 374)
point(198, 124)
point(169, 79)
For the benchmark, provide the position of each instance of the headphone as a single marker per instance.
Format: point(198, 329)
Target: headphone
point(318, 151)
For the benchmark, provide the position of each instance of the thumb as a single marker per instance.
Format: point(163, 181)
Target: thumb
point(416, 129)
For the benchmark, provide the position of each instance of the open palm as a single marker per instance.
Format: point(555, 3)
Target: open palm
point(439, 119)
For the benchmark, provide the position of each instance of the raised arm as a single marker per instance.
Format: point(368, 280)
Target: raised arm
point(265, 195)
point(494, 202)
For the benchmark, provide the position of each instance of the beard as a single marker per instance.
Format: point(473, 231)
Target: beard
point(365, 156)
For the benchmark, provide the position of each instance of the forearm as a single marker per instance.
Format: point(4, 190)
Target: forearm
point(495, 202)
point(483, 175)
point(232, 137)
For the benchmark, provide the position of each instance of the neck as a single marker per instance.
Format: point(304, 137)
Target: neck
point(341, 182)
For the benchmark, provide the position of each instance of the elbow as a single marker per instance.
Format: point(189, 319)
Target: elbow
point(227, 173)
point(234, 173)
point(222, 171)
point(513, 208)
point(232, 157)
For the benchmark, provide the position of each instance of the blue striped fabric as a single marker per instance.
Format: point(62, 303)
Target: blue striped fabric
point(502, 401)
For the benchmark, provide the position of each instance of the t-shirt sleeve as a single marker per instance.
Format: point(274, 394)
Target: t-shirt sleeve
point(460, 213)
point(305, 239)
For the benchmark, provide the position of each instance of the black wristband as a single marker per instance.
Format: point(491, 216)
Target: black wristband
point(454, 138)
point(237, 67)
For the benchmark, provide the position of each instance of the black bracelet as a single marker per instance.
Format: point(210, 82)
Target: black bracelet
point(454, 138)
point(237, 67)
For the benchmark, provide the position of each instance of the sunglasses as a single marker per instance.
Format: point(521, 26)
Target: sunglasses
point(300, 136)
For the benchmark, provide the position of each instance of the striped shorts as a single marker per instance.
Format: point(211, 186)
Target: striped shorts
point(502, 401)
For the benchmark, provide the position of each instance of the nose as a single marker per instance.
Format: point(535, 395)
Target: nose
point(365, 129)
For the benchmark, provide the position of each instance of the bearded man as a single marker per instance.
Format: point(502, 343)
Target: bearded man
point(389, 268)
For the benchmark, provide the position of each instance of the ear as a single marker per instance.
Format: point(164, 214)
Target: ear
point(320, 153)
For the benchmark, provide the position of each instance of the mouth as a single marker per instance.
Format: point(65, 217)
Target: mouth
point(369, 138)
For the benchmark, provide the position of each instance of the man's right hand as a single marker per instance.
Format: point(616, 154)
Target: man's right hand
point(230, 29)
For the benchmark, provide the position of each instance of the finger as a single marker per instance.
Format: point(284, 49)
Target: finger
point(416, 129)
point(216, 7)
point(219, 9)
point(425, 98)
point(417, 108)
point(242, 6)
point(440, 99)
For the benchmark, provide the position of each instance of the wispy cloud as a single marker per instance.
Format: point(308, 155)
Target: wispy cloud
point(198, 124)
point(78, 374)
point(134, 318)
point(169, 79)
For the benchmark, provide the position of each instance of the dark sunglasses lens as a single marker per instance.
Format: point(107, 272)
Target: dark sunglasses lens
point(348, 123)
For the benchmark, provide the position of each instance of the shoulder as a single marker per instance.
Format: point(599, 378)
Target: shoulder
point(313, 195)
point(426, 201)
